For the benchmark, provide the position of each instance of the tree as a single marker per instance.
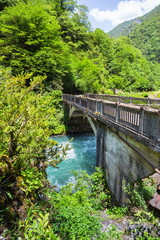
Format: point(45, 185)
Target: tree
point(75, 27)
point(105, 44)
point(31, 42)
point(129, 70)
point(90, 73)
point(25, 148)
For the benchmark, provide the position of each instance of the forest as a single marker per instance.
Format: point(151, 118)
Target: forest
point(48, 47)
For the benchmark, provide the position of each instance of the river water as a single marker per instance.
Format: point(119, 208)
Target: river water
point(81, 156)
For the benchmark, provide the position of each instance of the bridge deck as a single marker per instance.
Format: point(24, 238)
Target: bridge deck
point(141, 122)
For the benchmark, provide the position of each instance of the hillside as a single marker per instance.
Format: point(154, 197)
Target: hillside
point(144, 33)
point(146, 36)
point(126, 27)
point(118, 31)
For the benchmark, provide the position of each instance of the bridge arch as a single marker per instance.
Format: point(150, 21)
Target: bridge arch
point(72, 110)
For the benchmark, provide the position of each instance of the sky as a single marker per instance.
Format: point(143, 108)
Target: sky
point(107, 14)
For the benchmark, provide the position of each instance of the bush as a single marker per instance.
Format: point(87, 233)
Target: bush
point(117, 212)
point(140, 193)
point(37, 226)
point(76, 215)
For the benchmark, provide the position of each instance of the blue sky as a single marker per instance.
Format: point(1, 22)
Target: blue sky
point(107, 14)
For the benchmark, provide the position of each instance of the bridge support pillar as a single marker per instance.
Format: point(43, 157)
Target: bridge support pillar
point(123, 159)
point(71, 110)
point(92, 125)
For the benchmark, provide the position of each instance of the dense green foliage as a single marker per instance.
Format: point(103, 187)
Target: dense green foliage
point(140, 193)
point(75, 217)
point(31, 42)
point(144, 33)
point(146, 36)
point(25, 147)
point(54, 39)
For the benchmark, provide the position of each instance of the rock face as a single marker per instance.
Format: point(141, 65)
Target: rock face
point(155, 201)
point(129, 227)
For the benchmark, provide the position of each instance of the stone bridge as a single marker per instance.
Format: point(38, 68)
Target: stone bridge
point(128, 135)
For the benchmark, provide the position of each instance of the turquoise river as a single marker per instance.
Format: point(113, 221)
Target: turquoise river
point(81, 156)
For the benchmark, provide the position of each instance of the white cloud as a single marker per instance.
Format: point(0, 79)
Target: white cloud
point(126, 10)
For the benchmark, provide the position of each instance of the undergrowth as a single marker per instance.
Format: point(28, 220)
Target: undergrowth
point(140, 193)
point(73, 213)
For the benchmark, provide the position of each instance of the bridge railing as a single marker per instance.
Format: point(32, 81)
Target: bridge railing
point(143, 120)
point(149, 102)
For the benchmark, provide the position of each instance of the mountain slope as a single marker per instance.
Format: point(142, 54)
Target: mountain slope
point(146, 36)
point(124, 27)
point(127, 26)
point(144, 33)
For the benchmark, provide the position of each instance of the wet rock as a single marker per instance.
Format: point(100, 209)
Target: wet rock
point(155, 201)
point(130, 231)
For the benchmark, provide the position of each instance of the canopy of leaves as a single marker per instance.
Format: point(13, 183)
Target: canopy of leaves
point(30, 42)
point(54, 39)
point(25, 146)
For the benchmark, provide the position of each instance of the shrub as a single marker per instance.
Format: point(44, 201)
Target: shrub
point(140, 193)
point(37, 226)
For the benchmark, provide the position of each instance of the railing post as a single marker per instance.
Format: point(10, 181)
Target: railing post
point(96, 106)
point(80, 102)
point(149, 102)
point(101, 108)
point(141, 120)
point(131, 100)
point(117, 112)
point(88, 105)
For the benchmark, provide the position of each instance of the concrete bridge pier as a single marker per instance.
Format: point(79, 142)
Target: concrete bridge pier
point(123, 159)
